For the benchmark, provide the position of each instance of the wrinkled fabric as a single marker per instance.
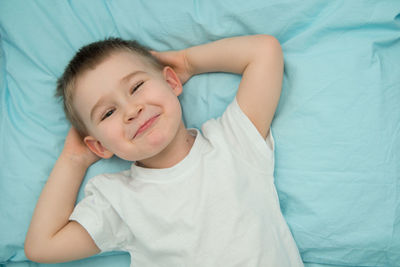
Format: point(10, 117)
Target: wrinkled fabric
point(336, 129)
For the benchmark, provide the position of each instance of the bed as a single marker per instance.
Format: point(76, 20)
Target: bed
point(336, 129)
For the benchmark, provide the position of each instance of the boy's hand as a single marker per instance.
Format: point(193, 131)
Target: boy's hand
point(258, 58)
point(176, 60)
point(76, 150)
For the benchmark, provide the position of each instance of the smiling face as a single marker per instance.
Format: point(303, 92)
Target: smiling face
point(129, 108)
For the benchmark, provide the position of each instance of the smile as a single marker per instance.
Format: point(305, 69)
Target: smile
point(146, 125)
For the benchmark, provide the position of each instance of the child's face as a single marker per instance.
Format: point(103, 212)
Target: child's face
point(129, 108)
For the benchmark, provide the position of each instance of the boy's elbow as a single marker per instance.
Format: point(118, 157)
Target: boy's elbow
point(274, 44)
point(30, 252)
point(268, 40)
point(269, 47)
point(34, 252)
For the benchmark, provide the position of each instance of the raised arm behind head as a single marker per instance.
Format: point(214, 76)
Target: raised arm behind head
point(258, 58)
point(51, 236)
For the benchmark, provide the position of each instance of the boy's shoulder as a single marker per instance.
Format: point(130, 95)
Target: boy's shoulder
point(232, 120)
point(235, 132)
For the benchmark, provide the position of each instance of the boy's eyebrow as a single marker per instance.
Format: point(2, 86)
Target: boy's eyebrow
point(130, 75)
point(125, 79)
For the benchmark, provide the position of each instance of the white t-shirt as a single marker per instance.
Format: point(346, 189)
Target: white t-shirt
point(217, 207)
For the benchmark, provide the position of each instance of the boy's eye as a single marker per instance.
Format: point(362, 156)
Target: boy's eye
point(134, 88)
point(108, 114)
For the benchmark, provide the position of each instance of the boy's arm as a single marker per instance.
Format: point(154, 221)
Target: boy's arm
point(258, 58)
point(51, 236)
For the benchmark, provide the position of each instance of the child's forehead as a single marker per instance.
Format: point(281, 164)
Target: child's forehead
point(113, 71)
point(116, 67)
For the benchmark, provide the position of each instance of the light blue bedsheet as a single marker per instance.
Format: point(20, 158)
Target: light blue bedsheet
point(337, 127)
point(122, 260)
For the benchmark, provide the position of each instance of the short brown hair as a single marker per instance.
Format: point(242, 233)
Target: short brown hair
point(88, 57)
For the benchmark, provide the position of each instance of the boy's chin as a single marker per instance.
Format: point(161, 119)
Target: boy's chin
point(150, 148)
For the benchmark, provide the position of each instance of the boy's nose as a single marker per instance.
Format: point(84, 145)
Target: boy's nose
point(132, 113)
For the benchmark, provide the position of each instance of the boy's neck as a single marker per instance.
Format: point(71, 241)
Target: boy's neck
point(175, 152)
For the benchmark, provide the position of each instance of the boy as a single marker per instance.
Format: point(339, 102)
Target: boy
point(190, 198)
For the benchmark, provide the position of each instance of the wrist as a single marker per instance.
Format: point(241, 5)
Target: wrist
point(75, 161)
point(189, 66)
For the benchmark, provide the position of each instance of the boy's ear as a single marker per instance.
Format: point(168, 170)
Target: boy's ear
point(173, 80)
point(97, 148)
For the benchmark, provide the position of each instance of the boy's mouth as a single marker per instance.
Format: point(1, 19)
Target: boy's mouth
point(146, 125)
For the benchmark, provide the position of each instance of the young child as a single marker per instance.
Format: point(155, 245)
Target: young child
point(190, 198)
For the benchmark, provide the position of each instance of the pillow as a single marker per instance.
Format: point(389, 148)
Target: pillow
point(336, 128)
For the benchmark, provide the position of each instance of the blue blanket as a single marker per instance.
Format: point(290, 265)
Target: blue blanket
point(337, 126)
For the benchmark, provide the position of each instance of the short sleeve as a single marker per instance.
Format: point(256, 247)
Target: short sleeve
point(101, 220)
point(244, 139)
